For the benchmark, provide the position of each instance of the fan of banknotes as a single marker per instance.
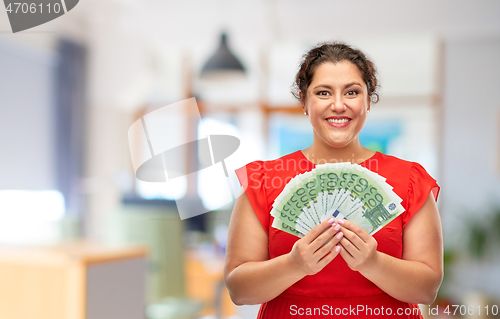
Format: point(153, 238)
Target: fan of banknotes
point(340, 190)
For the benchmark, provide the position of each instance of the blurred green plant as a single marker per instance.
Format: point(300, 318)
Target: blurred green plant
point(450, 256)
point(484, 234)
point(481, 239)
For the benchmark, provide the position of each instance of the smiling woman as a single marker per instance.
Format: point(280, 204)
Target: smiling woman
point(336, 85)
point(337, 265)
point(337, 102)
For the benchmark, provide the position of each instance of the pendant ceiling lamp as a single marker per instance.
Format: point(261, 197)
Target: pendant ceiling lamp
point(223, 64)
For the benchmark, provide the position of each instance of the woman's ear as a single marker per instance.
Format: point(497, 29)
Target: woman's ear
point(304, 108)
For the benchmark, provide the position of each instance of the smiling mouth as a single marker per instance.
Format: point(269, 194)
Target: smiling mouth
point(339, 121)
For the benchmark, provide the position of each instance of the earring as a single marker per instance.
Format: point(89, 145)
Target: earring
point(367, 111)
point(305, 112)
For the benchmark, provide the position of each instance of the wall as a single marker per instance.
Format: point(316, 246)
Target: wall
point(27, 117)
point(470, 163)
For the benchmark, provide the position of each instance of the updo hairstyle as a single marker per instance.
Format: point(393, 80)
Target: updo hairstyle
point(334, 52)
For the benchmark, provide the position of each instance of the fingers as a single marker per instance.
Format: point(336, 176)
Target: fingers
point(357, 247)
point(327, 235)
point(358, 237)
point(317, 247)
point(325, 241)
point(351, 242)
point(329, 257)
point(332, 246)
point(316, 231)
point(355, 229)
point(347, 257)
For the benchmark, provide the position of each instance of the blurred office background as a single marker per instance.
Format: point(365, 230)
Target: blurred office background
point(81, 237)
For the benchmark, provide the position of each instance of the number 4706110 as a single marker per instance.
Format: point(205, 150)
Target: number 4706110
point(470, 310)
point(24, 7)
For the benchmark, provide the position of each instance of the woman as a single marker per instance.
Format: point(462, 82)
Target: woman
point(337, 268)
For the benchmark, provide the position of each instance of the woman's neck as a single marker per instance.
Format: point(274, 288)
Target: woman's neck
point(354, 153)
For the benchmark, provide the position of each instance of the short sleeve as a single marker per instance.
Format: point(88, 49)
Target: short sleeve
point(252, 177)
point(421, 184)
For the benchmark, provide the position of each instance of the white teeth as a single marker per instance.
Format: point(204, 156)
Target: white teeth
point(338, 121)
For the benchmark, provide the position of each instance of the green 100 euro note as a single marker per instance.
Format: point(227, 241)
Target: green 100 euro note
point(342, 190)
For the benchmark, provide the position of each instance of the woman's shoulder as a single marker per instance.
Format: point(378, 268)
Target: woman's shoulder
point(397, 170)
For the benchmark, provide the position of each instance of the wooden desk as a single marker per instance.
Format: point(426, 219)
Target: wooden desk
point(204, 283)
point(78, 280)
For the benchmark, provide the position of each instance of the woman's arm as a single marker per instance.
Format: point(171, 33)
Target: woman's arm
point(250, 276)
point(417, 276)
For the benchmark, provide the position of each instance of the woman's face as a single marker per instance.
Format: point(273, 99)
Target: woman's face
point(337, 102)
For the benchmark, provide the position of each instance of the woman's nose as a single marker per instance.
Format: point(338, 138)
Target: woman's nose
point(338, 105)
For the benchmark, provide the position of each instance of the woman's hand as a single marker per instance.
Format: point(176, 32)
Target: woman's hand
point(359, 249)
point(413, 278)
point(317, 248)
point(250, 276)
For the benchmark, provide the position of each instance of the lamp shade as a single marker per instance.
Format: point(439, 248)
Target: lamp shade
point(222, 62)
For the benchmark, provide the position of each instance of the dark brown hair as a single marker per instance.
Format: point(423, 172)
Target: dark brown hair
point(335, 52)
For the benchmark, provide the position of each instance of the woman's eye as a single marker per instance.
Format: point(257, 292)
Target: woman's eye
point(352, 93)
point(323, 93)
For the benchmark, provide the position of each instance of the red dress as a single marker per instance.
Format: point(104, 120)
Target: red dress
point(336, 290)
